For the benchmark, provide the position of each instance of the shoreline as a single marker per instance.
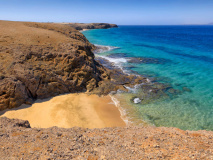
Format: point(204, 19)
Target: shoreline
point(172, 92)
point(70, 110)
point(123, 116)
point(117, 63)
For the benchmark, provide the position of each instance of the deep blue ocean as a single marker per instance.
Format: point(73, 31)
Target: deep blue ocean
point(185, 60)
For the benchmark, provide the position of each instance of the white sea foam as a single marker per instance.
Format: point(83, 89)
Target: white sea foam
point(102, 48)
point(121, 110)
point(117, 62)
point(133, 89)
point(148, 80)
point(114, 60)
point(130, 90)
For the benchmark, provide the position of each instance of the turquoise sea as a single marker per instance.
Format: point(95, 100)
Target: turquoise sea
point(181, 56)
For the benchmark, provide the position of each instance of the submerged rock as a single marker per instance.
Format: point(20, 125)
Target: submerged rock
point(187, 89)
point(118, 55)
point(147, 60)
point(151, 92)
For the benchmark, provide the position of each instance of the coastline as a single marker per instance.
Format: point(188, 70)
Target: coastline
point(114, 63)
point(70, 110)
point(64, 78)
point(173, 92)
point(50, 81)
point(33, 139)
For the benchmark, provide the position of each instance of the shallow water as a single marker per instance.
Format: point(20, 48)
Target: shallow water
point(184, 59)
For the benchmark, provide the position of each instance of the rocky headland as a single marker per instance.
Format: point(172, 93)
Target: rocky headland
point(82, 26)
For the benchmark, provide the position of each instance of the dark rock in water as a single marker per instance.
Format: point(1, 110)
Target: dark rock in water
point(150, 92)
point(150, 89)
point(152, 118)
point(185, 74)
point(117, 55)
point(187, 89)
point(139, 60)
point(147, 60)
point(123, 79)
point(164, 79)
point(178, 84)
point(130, 71)
point(117, 81)
point(174, 91)
point(105, 62)
point(129, 67)
point(162, 86)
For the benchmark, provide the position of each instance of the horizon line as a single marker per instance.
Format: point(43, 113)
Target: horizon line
point(117, 24)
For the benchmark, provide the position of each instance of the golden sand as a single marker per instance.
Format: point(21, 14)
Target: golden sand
point(70, 110)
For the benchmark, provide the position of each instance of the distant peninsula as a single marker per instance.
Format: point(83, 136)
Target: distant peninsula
point(81, 26)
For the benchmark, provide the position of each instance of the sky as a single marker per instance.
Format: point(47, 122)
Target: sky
point(121, 12)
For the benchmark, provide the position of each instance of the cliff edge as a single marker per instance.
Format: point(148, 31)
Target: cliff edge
point(40, 60)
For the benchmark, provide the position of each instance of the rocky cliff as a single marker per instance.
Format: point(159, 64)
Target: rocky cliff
point(18, 141)
point(40, 60)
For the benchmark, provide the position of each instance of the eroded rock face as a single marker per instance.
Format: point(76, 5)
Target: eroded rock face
point(54, 59)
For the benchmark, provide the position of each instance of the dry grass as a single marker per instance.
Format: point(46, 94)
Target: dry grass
point(31, 33)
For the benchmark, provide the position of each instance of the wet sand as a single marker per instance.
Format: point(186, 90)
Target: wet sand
point(70, 110)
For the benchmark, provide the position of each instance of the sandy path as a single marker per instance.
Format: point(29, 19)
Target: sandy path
point(82, 110)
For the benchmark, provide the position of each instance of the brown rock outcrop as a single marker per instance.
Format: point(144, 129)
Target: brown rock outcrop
point(40, 60)
point(19, 141)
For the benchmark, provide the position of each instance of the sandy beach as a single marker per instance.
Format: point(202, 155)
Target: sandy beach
point(70, 110)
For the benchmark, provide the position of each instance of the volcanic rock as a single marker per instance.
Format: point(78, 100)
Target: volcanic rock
point(40, 60)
